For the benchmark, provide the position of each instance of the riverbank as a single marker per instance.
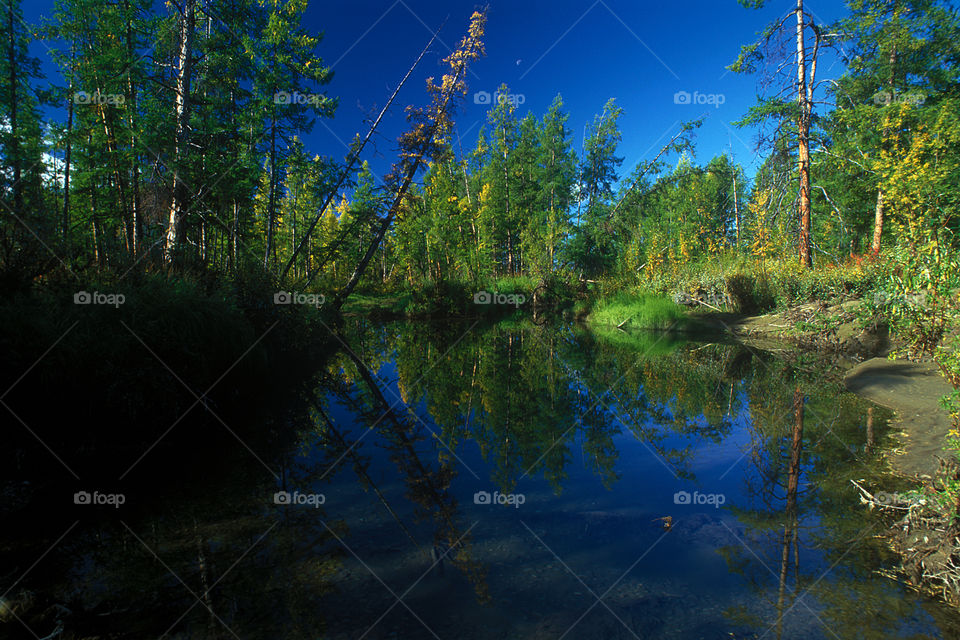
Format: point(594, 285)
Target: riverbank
point(923, 529)
point(859, 345)
point(913, 390)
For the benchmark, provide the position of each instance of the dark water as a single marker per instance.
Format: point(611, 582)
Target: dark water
point(515, 481)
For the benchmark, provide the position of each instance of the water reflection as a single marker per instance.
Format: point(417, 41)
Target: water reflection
point(669, 489)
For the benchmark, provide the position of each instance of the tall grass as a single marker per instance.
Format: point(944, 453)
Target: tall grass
point(639, 311)
point(753, 286)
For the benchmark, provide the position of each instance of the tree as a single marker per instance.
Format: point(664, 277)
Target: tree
point(20, 137)
point(500, 174)
point(429, 130)
point(778, 107)
point(555, 174)
point(898, 55)
point(187, 20)
point(287, 76)
point(593, 248)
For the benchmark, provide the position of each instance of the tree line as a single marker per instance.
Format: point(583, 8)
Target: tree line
point(176, 142)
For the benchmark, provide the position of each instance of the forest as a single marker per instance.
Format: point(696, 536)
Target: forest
point(175, 148)
point(174, 249)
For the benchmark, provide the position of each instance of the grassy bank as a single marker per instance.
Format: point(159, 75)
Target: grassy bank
point(496, 297)
point(640, 311)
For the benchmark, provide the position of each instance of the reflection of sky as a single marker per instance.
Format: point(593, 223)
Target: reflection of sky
point(605, 535)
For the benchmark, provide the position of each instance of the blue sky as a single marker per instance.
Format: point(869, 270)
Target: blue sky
point(639, 52)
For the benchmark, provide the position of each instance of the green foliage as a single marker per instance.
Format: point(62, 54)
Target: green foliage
point(919, 295)
point(638, 311)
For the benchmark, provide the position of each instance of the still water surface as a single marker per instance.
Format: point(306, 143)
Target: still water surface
point(521, 481)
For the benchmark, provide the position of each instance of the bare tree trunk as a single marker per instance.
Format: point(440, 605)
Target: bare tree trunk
point(66, 166)
point(134, 160)
point(877, 224)
point(736, 208)
point(421, 141)
point(272, 190)
point(803, 143)
point(506, 187)
point(185, 68)
point(114, 152)
point(352, 158)
point(15, 158)
point(234, 230)
point(878, 212)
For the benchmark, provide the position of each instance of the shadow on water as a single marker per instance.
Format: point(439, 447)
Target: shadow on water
point(456, 481)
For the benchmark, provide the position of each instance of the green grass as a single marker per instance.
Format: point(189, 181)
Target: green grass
point(754, 287)
point(639, 311)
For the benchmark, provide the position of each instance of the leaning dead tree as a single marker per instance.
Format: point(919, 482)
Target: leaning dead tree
point(352, 158)
point(429, 128)
point(680, 142)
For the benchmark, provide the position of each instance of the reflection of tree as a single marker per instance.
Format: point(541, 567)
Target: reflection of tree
point(790, 537)
point(203, 554)
point(528, 394)
point(216, 566)
point(803, 452)
point(427, 487)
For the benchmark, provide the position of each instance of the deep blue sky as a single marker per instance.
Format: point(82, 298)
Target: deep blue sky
point(639, 52)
